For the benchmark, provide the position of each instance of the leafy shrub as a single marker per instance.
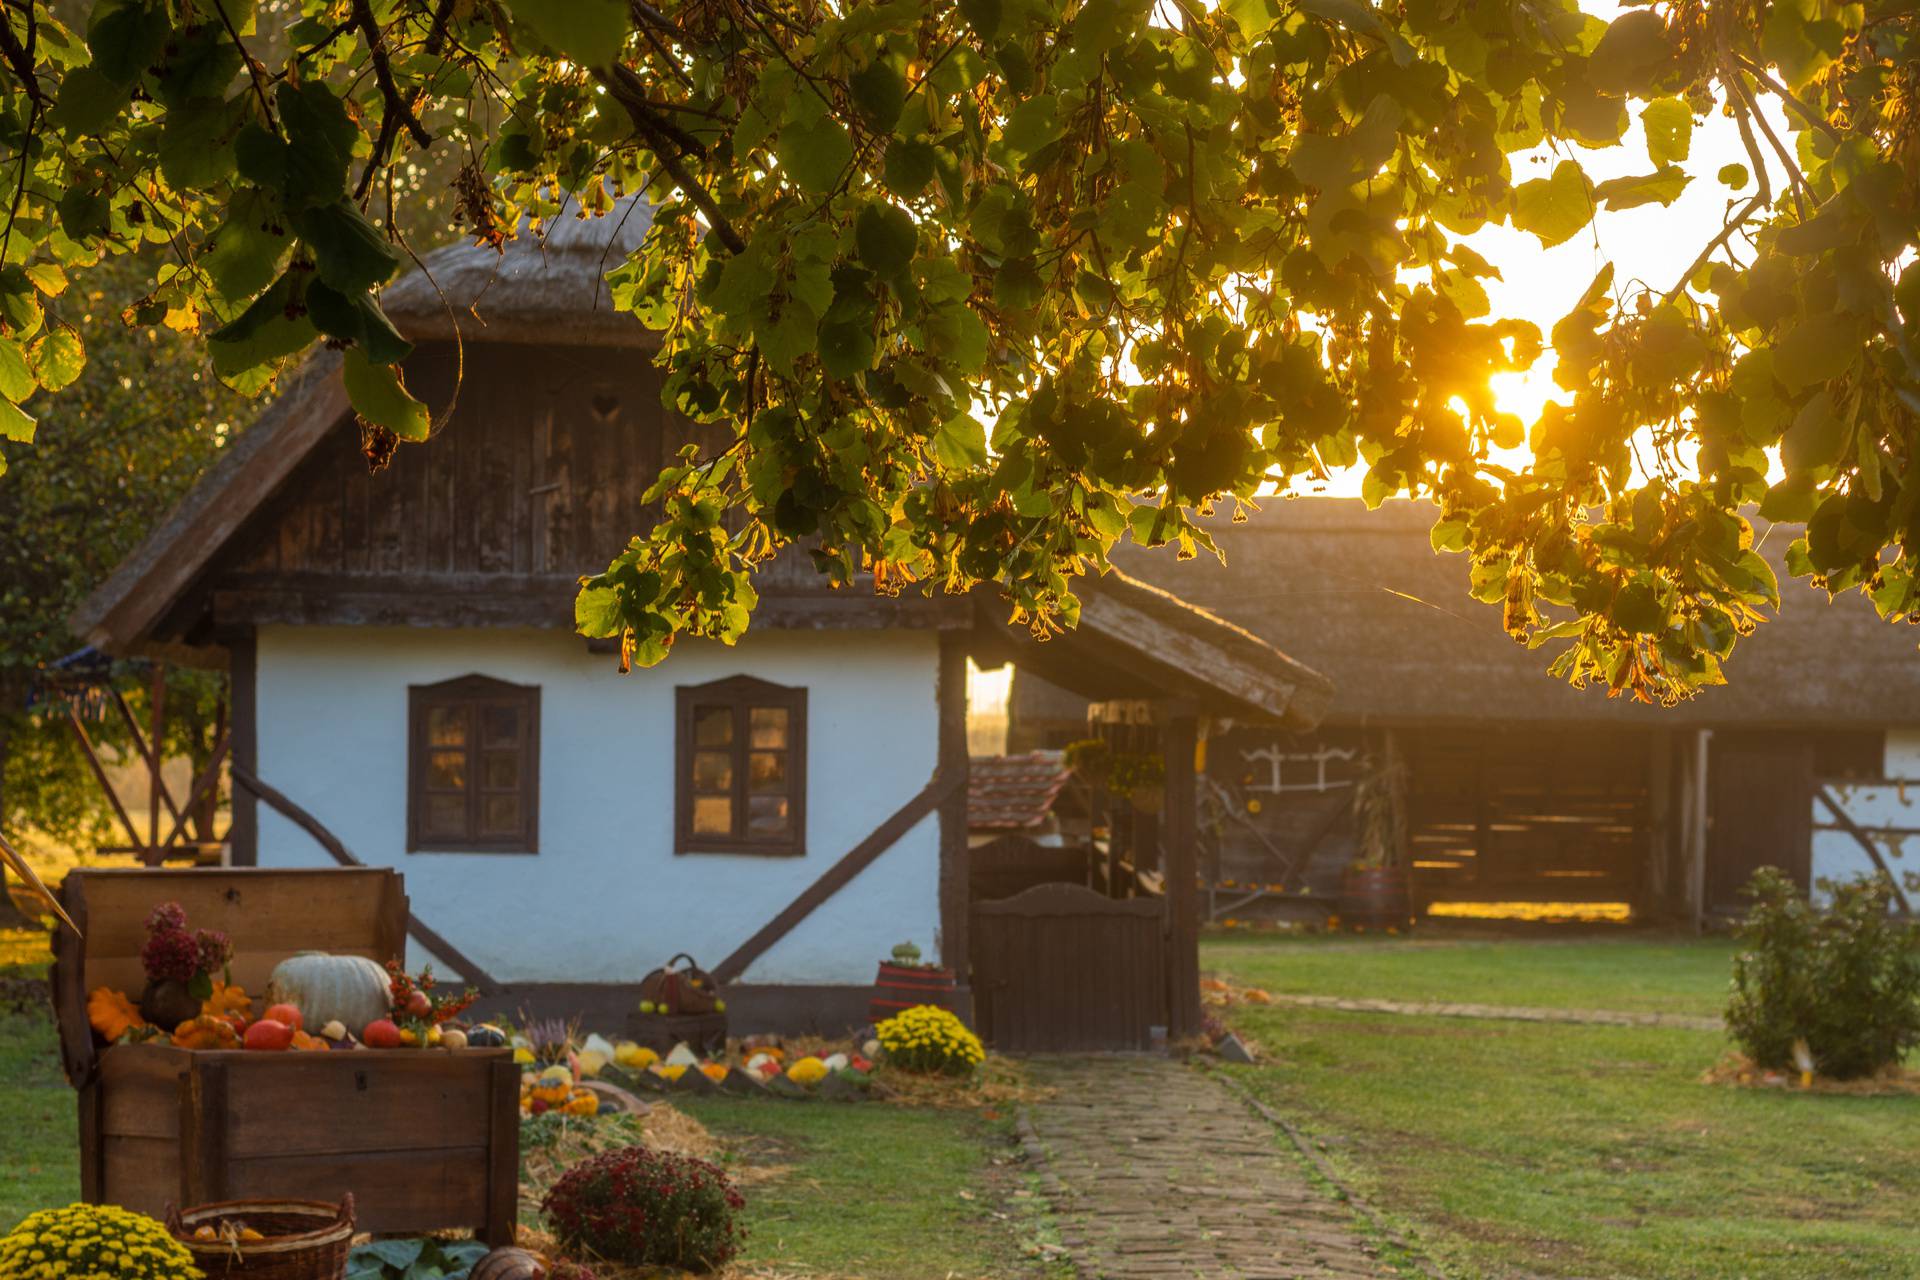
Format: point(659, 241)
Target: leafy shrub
point(416, 1259)
point(93, 1240)
point(1846, 978)
point(930, 1039)
point(647, 1208)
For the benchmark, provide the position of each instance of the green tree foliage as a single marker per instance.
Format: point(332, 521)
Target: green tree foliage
point(113, 452)
point(974, 291)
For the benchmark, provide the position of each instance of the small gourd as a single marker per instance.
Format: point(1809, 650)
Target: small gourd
point(352, 990)
point(486, 1036)
point(510, 1263)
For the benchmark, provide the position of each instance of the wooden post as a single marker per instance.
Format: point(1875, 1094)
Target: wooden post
point(1179, 820)
point(503, 1155)
point(243, 827)
point(157, 697)
point(955, 894)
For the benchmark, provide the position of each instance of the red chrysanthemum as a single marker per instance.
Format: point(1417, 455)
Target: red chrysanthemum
point(216, 950)
point(171, 955)
point(168, 917)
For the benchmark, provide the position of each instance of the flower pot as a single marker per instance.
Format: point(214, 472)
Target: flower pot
point(1375, 898)
point(167, 1004)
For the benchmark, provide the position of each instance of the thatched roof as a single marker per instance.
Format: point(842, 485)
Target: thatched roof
point(1360, 596)
point(547, 286)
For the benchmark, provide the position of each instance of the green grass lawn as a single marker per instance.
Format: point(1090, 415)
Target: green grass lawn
point(38, 1148)
point(1519, 1150)
point(872, 1190)
point(1633, 974)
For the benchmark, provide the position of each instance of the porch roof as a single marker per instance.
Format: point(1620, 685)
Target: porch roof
point(1136, 640)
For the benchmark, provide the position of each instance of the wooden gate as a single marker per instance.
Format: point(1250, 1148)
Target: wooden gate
point(1059, 967)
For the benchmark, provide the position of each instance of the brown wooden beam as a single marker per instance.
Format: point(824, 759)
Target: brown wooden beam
point(427, 938)
point(955, 872)
point(100, 775)
point(243, 820)
point(208, 779)
point(1177, 838)
point(146, 752)
point(841, 873)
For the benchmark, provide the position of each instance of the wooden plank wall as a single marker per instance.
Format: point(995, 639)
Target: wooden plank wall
point(539, 472)
point(1528, 815)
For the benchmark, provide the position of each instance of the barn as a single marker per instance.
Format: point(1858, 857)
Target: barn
point(408, 691)
point(1521, 793)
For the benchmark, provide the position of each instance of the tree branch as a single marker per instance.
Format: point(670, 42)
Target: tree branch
point(1760, 197)
point(1779, 91)
point(21, 61)
point(383, 76)
point(625, 88)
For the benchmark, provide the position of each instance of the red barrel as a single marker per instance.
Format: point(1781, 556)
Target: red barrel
point(900, 987)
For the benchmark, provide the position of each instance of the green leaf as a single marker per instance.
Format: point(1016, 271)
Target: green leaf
point(16, 375)
point(1555, 208)
point(983, 16)
point(1669, 126)
point(1033, 124)
point(814, 150)
point(1637, 609)
point(1663, 187)
point(85, 213)
point(319, 145)
point(15, 423)
point(349, 252)
point(879, 91)
point(88, 101)
point(263, 333)
point(1735, 175)
point(58, 357)
point(192, 145)
point(125, 36)
point(1814, 350)
point(1817, 436)
point(961, 442)
point(847, 347)
point(908, 166)
point(398, 1254)
point(1631, 55)
point(356, 319)
point(590, 32)
point(596, 611)
point(379, 395)
point(246, 249)
point(884, 236)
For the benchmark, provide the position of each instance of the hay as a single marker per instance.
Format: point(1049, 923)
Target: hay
point(999, 1083)
point(554, 1143)
point(1738, 1071)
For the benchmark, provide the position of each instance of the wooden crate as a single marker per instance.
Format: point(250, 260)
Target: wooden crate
point(425, 1140)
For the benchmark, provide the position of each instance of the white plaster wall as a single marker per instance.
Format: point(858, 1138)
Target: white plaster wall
point(606, 899)
point(1882, 809)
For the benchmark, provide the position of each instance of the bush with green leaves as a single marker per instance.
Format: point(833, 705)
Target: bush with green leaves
point(418, 1259)
point(1845, 978)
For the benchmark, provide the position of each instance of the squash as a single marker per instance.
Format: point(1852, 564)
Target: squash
point(509, 1263)
point(206, 1032)
point(112, 1014)
point(328, 988)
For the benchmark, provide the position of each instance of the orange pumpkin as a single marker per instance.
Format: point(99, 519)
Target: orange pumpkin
point(206, 1032)
point(301, 1040)
point(112, 1014)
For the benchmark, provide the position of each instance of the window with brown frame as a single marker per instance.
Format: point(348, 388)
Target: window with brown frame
point(740, 775)
point(473, 767)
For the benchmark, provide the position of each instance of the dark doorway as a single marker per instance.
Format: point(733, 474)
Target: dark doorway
point(1760, 789)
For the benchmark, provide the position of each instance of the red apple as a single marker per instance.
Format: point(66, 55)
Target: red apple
point(269, 1033)
point(381, 1033)
point(289, 1014)
point(418, 1005)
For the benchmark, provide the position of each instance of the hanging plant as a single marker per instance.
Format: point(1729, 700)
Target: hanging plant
point(1141, 776)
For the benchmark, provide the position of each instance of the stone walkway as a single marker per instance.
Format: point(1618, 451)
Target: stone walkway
point(1511, 1012)
point(1154, 1170)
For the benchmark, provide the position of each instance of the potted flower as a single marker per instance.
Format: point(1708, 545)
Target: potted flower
point(1140, 776)
point(179, 966)
point(1375, 891)
point(905, 981)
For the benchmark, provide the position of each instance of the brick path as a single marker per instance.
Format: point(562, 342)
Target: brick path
point(1511, 1012)
point(1154, 1170)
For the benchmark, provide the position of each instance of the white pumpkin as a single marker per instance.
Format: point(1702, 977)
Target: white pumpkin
point(327, 988)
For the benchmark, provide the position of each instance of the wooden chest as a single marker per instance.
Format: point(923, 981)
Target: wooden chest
point(425, 1139)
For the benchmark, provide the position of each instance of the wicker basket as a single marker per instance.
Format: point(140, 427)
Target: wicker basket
point(303, 1239)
